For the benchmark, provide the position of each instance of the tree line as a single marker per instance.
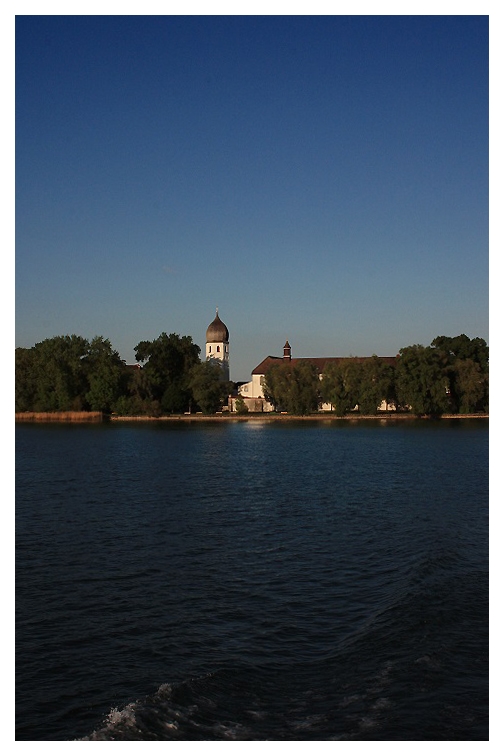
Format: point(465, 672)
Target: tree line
point(449, 376)
point(72, 373)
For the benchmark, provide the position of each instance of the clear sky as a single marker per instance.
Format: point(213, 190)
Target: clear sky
point(321, 179)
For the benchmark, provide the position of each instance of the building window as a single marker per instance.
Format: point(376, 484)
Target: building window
point(209, 349)
point(218, 348)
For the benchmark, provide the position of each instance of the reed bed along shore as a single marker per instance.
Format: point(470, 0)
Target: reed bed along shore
point(59, 417)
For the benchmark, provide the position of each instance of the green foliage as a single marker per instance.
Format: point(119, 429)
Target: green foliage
point(139, 387)
point(421, 381)
point(71, 373)
point(362, 383)
point(52, 377)
point(466, 367)
point(175, 398)
point(130, 405)
point(377, 383)
point(166, 373)
point(470, 386)
point(241, 407)
point(208, 390)
point(26, 379)
point(449, 376)
point(294, 388)
point(340, 385)
point(462, 348)
point(105, 375)
point(68, 373)
point(170, 357)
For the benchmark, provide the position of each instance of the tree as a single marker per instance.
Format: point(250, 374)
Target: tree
point(69, 373)
point(294, 387)
point(208, 390)
point(463, 348)
point(57, 374)
point(106, 375)
point(334, 388)
point(241, 407)
point(341, 384)
point(139, 389)
point(26, 379)
point(276, 385)
point(470, 386)
point(169, 361)
point(422, 382)
point(377, 383)
point(176, 398)
point(465, 362)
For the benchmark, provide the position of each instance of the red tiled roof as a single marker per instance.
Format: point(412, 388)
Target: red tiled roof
point(319, 362)
point(265, 365)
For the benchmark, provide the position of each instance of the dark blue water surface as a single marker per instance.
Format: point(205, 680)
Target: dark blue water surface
point(252, 581)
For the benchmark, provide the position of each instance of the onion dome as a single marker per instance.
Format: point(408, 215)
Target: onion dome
point(217, 331)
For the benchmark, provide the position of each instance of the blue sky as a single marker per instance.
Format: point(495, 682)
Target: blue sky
point(321, 179)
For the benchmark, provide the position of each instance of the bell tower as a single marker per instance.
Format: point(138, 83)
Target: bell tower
point(217, 345)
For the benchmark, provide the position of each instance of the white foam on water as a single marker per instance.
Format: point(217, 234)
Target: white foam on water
point(125, 717)
point(122, 716)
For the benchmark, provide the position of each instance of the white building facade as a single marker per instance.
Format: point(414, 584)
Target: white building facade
point(252, 392)
point(217, 345)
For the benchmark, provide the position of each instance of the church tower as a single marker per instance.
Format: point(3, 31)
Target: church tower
point(217, 345)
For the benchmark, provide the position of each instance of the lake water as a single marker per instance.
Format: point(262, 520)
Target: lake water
point(252, 581)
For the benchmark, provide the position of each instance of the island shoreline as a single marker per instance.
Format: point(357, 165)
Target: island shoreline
point(269, 417)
